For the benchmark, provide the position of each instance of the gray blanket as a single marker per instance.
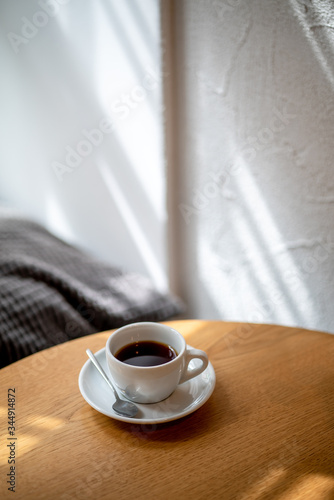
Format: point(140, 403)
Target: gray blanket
point(51, 292)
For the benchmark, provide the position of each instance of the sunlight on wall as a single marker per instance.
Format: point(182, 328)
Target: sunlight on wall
point(129, 90)
point(254, 157)
point(240, 271)
point(261, 236)
point(143, 246)
point(82, 91)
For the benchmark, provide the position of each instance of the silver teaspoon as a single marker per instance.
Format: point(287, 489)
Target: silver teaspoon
point(120, 406)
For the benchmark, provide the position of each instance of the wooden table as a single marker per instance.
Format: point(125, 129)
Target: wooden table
point(267, 431)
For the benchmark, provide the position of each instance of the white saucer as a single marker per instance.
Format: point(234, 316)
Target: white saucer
point(187, 397)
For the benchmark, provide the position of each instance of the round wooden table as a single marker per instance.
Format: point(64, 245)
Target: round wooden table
point(266, 432)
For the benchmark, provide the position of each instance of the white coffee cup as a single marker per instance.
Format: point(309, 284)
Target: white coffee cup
point(151, 384)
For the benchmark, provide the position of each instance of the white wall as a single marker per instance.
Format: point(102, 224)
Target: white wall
point(81, 125)
point(254, 194)
point(250, 127)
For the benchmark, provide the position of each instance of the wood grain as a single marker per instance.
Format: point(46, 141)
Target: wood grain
point(267, 432)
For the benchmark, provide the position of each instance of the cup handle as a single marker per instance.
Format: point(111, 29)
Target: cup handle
point(189, 373)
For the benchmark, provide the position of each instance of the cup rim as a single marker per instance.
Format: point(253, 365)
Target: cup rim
point(154, 367)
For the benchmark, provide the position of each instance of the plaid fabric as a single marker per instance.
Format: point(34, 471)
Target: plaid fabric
point(51, 292)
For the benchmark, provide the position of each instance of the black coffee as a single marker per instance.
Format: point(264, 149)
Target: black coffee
point(146, 353)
